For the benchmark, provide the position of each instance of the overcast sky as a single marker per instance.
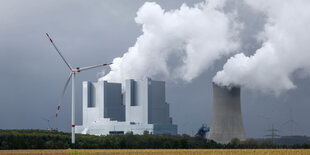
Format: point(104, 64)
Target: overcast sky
point(94, 32)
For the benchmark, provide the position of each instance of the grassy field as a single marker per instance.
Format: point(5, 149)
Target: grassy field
point(164, 152)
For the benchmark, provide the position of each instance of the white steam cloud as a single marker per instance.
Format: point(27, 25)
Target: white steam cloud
point(183, 43)
point(285, 50)
point(177, 44)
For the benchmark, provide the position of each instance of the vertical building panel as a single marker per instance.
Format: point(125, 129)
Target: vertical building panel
point(92, 95)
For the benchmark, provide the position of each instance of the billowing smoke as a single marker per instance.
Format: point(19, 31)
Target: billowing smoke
point(285, 50)
point(178, 44)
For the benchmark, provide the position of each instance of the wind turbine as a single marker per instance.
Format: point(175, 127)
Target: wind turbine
point(72, 75)
point(48, 123)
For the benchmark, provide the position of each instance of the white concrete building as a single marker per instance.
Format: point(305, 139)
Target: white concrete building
point(146, 102)
point(142, 107)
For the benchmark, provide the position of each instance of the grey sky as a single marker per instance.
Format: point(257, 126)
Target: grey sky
point(93, 32)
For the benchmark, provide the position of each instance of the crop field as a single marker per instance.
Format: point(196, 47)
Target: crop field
point(163, 152)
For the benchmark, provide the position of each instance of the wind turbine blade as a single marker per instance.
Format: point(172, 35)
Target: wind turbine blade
point(95, 66)
point(63, 58)
point(62, 95)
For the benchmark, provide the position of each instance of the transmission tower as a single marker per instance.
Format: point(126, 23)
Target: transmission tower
point(273, 133)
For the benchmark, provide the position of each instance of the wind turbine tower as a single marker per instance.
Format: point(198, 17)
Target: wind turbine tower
point(72, 75)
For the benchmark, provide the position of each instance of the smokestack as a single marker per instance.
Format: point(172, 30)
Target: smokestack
point(226, 118)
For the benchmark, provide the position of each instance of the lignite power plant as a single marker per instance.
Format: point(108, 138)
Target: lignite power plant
point(143, 107)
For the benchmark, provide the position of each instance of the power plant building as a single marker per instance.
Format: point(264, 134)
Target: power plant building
point(226, 118)
point(142, 107)
point(156, 111)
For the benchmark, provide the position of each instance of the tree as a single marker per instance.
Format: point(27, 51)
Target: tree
point(235, 141)
point(251, 144)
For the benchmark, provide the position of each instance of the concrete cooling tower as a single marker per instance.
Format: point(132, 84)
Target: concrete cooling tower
point(226, 118)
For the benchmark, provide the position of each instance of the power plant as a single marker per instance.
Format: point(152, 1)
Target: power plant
point(226, 118)
point(140, 108)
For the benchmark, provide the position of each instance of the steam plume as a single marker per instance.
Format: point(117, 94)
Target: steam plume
point(177, 44)
point(284, 53)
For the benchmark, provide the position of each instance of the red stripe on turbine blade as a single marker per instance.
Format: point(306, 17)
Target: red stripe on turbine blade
point(51, 40)
point(56, 115)
point(58, 107)
point(105, 64)
point(73, 126)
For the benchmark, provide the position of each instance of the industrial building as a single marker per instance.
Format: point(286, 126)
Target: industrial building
point(141, 107)
point(226, 118)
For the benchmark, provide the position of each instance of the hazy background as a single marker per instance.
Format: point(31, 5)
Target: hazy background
point(32, 74)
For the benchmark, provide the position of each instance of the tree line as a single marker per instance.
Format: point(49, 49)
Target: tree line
point(44, 139)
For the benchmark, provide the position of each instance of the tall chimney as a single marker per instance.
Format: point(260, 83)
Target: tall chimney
point(226, 118)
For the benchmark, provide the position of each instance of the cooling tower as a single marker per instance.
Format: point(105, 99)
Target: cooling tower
point(226, 118)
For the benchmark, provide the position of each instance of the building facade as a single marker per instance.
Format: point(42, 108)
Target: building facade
point(141, 107)
point(146, 102)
